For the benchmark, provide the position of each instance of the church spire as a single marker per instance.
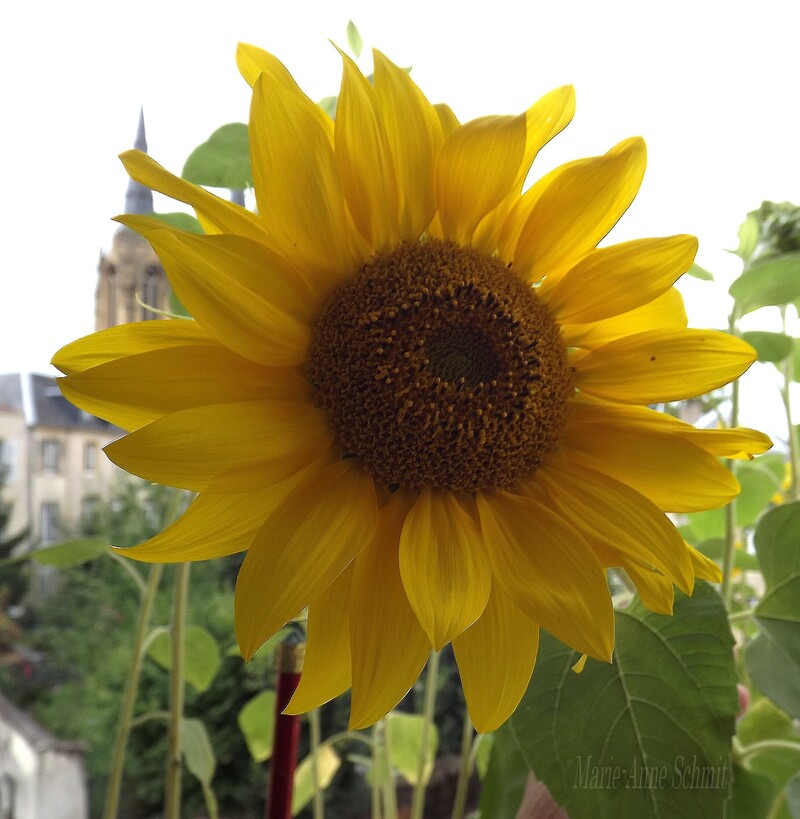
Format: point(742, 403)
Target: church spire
point(138, 197)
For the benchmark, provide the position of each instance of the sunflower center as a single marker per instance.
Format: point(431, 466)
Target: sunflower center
point(441, 369)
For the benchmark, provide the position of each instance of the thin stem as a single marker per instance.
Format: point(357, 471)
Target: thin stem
point(377, 813)
point(389, 792)
point(128, 566)
point(756, 748)
point(464, 770)
point(431, 683)
point(172, 801)
point(316, 739)
point(731, 530)
point(129, 695)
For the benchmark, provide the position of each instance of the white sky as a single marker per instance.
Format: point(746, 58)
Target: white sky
point(712, 86)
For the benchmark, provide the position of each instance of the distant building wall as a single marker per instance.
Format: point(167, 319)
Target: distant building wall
point(41, 777)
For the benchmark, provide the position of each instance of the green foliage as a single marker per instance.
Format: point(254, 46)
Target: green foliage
point(646, 735)
point(404, 742)
point(201, 659)
point(222, 161)
point(257, 721)
point(354, 39)
point(504, 780)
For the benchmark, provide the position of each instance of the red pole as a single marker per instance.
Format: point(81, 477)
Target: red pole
point(289, 661)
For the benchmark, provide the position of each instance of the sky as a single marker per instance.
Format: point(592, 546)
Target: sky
point(711, 86)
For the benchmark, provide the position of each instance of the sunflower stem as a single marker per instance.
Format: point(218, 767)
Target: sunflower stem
point(172, 801)
point(464, 769)
point(429, 703)
point(731, 530)
point(384, 772)
point(376, 812)
point(131, 688)
point(316, 740)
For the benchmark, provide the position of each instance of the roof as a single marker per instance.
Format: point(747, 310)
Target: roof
point(39, 399)
point(38, 737)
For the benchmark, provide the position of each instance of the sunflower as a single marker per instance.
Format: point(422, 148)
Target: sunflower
point(415, 393)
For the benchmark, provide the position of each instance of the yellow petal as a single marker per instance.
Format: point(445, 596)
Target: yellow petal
point(447, 119)
point(548, 571)
point(665, 312)
point(543, 120)
point(476, 169)
point(495, 659)
point(677, 475)
point(212, 526)
point(297, 183)
point(616, 279)
point(704, 567)
point(312, 535)
point(388, 646)
point(739, 442)
point(655, 590)
point(443, 565)
point(215, 214)
point(326, 667)
point(365, 161)
point(253, 61)
point(189, 448)
point(414, 134)
point(612, 512)
point(577, 209)
point(663, 365)
point(136, 389)
point(241, 292)
point(128, 339)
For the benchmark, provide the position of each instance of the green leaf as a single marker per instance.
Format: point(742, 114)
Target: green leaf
point(752, 794)
point(257, 723)
point(404, 741)
point(715, 549)
point(201, 660)
point(482, 750)
point(354, 39)
point(504, 781)
point(758, 485)
point(197, 751)
point(749, 232)
point(223, 161)
point(773, 658)
point(775, 281)
point(763, 720)
point(771, 347)
point(647, 735)
point(700, 273)
point(328, 763)
point(793, 796)
point(180, 220)
point(69, 553)
point(779, 763)
point(328, 105)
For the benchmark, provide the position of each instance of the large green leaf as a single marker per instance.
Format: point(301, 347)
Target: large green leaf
point(504, 782)
point(404, 741)
point(69, 553)
point(257, 723)
point(752, 795)
point(200, 760)
point(647, 735)
point(201, 660)
point(773, 658)
point(775, 281)
point(771, 347)
point(223, 161)
point(328, 762)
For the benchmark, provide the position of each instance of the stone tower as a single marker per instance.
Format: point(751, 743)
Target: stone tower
point(130, 275)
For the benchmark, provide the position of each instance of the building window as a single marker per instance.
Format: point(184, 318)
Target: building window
point(90, 508)
point(48, 522)
point(150, 298)
point(90, 457)
point(8, 460)
point(51, 455)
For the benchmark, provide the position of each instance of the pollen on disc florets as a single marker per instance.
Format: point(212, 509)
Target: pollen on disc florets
point(441, 369)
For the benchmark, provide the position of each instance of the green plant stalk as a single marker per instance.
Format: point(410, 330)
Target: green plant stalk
point(464, 769)
point(129, 695)
point(729, 555)
point(756, 748)
point(316, 740)
point(431, 683)
point(376, 812)
point(172, 799)
point(387, 779)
